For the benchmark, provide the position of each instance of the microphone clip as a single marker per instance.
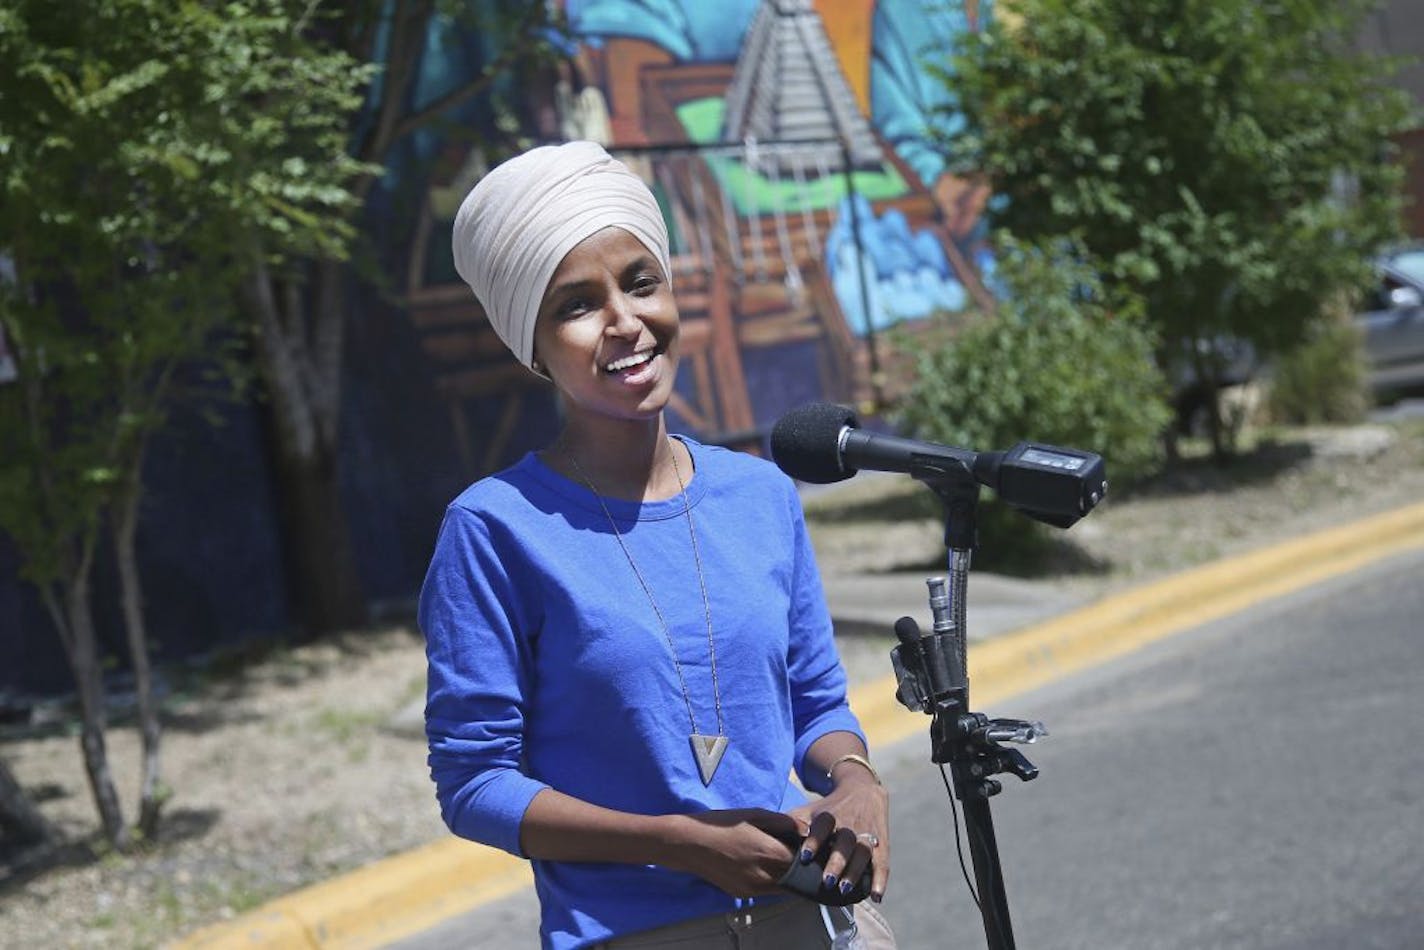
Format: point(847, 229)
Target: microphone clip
point(931, 674)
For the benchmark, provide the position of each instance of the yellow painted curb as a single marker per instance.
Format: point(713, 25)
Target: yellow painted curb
point(377, 904)
point(411, 892)
point(1036, 655)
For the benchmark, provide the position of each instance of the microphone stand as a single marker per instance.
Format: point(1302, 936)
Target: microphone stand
point(933, 679)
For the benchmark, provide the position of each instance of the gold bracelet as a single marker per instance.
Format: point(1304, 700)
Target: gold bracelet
point(858, 760)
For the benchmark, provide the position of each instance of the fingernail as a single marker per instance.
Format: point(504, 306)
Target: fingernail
point(806, 855)
point(876, 897)
point(846, 886)
point(830, 880)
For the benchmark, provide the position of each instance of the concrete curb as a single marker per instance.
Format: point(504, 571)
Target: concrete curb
point(408, 893)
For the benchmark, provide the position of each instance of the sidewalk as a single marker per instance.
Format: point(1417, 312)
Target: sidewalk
point(869, 604)
point(1025, 634)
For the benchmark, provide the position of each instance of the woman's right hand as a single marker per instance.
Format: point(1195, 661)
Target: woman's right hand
point(743, 851)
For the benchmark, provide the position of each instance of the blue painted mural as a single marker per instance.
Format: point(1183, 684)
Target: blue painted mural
point(791, 144)
point(906, 102)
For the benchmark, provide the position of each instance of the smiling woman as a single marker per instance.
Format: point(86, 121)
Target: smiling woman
point(629, 649)
point(607, 330)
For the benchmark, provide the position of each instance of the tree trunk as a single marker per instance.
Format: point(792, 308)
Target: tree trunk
point(19, 818)
point(77, 621)
point(125, 521)
point(321, 565)
point(1215, 426)
point(300, 335)
point(1206, 366)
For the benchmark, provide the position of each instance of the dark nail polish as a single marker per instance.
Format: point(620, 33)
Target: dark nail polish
point(876, 897)
point(806, 855)
point(846, 886)
point(830, 880)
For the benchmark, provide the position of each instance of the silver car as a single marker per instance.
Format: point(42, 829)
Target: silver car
point(1393, 322)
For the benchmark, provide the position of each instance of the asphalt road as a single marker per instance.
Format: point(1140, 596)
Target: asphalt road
point(1254, 783)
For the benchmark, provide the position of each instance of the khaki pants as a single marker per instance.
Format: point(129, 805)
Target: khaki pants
point(793, 924)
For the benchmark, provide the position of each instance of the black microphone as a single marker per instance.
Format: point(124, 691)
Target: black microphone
point(928, 669)
point(823, 442)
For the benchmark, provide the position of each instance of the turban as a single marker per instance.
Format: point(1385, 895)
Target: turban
point(520, 220)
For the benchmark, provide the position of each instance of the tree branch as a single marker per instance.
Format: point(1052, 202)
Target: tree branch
point(360, 36)
point(292, 406)
point(385, 133)
point(31, 388)
point(56, 616)
point(407, 38)
point(510, 54)
point(330, 337)
point(455, 97)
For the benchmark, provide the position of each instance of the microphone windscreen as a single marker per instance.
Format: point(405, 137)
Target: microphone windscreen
point(906, 630)
point(805, 443)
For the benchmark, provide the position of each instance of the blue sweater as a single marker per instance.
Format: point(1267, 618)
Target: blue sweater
point(548, 668)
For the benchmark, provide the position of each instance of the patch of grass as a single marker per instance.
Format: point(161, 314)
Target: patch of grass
point(104, 920)
point(155, 921)
point(242, 895)
point(344, 725)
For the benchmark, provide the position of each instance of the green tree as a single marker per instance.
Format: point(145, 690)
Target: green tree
point(300, 311)
point(1227, 161)
point(153, 154)
point(1053, 363)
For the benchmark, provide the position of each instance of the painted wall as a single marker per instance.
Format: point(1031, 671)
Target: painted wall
point(768, 272)
point(884, 51)
point(785, 264)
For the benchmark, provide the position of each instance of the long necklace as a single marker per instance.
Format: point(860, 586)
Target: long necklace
point(708, 750)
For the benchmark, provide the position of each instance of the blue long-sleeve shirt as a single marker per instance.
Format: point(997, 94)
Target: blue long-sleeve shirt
point(549, 668)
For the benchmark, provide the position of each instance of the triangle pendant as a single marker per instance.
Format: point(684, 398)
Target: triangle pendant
point(708, 750)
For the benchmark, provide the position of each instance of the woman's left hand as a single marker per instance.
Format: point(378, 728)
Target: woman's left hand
point(855, 819)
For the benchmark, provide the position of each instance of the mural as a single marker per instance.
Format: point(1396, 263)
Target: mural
point(789, 143)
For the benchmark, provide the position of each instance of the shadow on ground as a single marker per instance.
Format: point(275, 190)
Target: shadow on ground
point(1009, 543)
point(1200, 474)
point(219, 680)
point(1016, 546)
point(19, 865)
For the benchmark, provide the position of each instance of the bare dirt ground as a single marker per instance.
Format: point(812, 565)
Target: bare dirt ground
point(289, 765)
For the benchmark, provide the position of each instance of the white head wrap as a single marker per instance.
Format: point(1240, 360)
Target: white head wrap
point(520, 220)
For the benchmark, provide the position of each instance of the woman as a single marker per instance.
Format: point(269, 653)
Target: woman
point(629, 649)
